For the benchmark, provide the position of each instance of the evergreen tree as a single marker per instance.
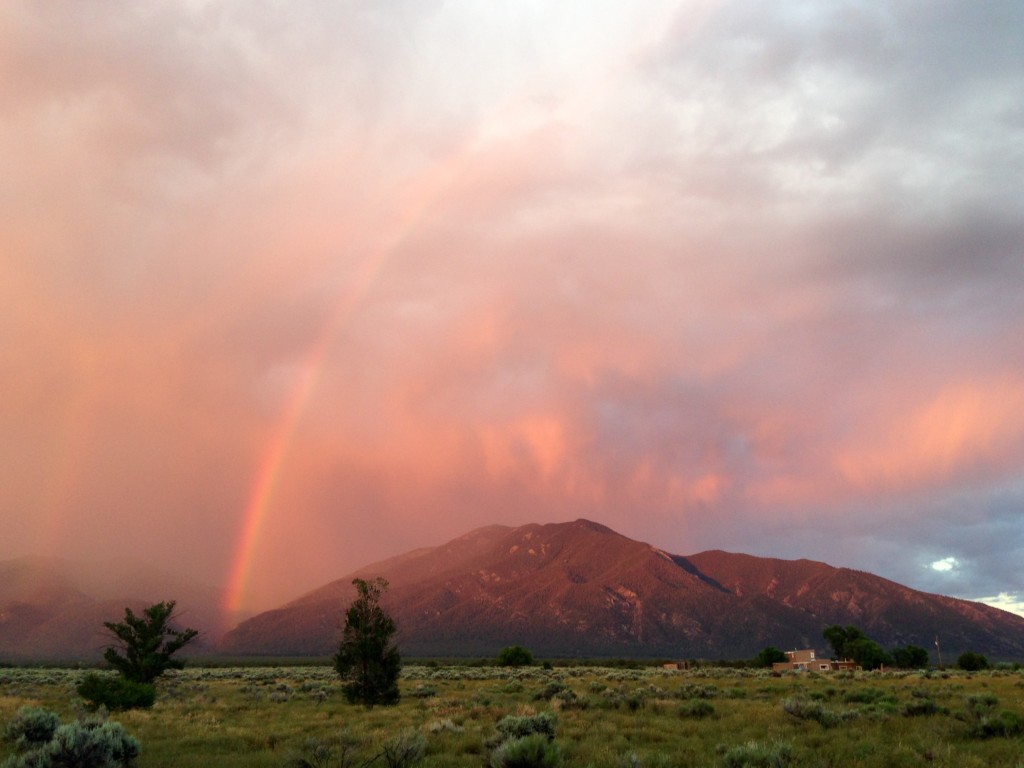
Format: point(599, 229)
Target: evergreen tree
point(971, 661)
point(366, 659)
point(768, 656)
point(147, 643)
point(515, 656)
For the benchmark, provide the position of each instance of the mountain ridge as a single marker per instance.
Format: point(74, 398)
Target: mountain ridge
point(582, 589)
point(53, 609)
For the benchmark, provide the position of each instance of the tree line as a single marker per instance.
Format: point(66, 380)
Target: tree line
point(850, 642)
point(369, 663)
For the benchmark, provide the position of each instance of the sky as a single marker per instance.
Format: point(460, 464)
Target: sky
point(288, 288)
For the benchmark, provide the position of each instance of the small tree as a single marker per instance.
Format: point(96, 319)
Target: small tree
point(366, 659)
point(768, 656)
point(867, 653)
point(515, 656)
point(840, 638)
point(910, 657)
point(971, 661)
point(147, 643)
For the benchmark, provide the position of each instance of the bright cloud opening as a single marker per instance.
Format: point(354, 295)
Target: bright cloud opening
point(1014, 603)
point(946, 564)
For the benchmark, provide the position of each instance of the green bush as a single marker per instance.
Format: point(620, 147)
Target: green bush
point(979, 711)
point(81, 745)
point(814, 710)
point(1006, 724)
point(515, 656)
point(696, 708)
point(31, 727)
point(768, 656)
point(919, 707)
point(977, 705)
point(115, 693)
point(550, 690)
point(404, 750)
point(972, 662)
point(525, 741)
point(754, 754)
point(339, 752)
point(694, 691)
point(865, 696)
point(517, 726)
point(532, 751)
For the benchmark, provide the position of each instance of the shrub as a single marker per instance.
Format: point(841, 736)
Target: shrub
point(754, 754)
point(525, 741)
point(567, 699)
point(978, 705)
point(1006, 724)
point(440, 726)
point(340, 752)
point(693, 691)
point(919, 707)
point(405, 749)
point(813, 710)
point(513, 726)
point(696, 708)
point(515, 656)
point(768, 656)
point(972, 662)
point(115, 693)
point(532, 751)
point(550, 690)
point(81, 745)
point(31, 727)
point(978, 712)
point(315, 753)
point(865, 695)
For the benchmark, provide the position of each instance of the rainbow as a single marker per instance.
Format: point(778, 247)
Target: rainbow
point(272, 461)
point(422, 195)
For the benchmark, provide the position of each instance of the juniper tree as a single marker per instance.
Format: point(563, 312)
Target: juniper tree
point(147, 643)
point(367, 660)
point(515, 656)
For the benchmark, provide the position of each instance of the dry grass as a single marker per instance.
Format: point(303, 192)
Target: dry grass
point(646, 718)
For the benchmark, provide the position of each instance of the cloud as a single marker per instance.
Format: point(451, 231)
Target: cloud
point(717, 276)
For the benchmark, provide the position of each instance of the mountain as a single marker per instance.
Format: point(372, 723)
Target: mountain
point(52, 609)
point(581, 589)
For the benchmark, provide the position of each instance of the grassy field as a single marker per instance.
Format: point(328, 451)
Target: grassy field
point(649, 717)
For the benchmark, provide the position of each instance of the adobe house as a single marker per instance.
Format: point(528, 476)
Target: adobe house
point(808, 661)
point(676, 665)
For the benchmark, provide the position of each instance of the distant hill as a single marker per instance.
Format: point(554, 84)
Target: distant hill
point(581, 589)
point(53, 609)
